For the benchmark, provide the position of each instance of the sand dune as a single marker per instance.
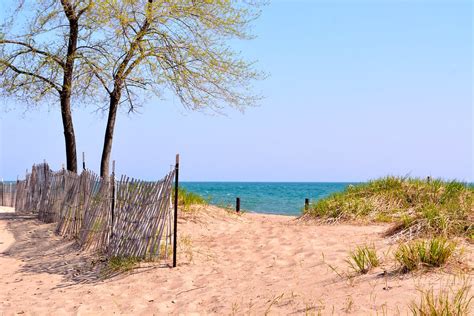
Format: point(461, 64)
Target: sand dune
point(228, 264)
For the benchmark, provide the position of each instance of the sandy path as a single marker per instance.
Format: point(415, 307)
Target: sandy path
point(228, 264)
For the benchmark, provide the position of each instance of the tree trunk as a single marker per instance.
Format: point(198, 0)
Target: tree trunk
point(109, 131)
point(69, 137)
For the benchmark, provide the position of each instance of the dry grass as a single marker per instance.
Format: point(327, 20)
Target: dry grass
point(445, 302)
point(185, 247)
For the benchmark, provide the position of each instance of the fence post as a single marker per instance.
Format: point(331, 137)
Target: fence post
point(83, 161)
point(306, 204)
point(3, 189)
point(112, 207)
point(46, 167)
point(63, 171)
point(237, 204)
point(176, 185)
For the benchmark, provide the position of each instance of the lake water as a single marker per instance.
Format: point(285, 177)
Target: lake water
point(265, 197)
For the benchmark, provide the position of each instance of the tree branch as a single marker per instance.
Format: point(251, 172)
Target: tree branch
point(34, 50)
point(27, 73)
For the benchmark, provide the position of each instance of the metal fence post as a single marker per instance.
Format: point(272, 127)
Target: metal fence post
point(176, 185)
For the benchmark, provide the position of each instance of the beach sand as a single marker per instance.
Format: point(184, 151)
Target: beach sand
point(228, 264)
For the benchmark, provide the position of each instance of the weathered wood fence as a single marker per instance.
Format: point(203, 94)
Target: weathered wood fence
point(124, 218)
point(7, 194)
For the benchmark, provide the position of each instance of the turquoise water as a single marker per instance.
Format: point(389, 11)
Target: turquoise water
point(264, 197)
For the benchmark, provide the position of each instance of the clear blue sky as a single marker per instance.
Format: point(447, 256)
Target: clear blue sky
point(357, 90)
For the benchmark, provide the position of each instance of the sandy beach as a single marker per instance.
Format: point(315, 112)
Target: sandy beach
point(228, 264)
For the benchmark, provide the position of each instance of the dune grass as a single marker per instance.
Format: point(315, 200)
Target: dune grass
point(363, 259)
point(425, 207)
point(444, 303)
point(186, 199)
point(434, 252)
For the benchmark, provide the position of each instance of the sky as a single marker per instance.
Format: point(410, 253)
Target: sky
point(356, 90)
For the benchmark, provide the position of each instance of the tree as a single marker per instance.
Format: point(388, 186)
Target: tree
point(146, 46)
point(38, 65)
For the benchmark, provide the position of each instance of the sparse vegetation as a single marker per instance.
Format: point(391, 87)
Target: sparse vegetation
point(363, 259)
point(185, 245)
point(431, 253)
point(444, 303)
point(166, 251)
point(116, 265)
point(186, 199)
point(419, 207)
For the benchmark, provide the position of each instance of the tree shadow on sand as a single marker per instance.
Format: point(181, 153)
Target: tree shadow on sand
point(42, 251)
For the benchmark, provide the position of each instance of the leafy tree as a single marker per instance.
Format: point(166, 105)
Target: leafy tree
point(39, 51)
point(147, 46)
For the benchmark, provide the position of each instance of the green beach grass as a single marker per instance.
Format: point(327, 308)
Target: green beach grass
point(187, 199)
point(421, 207)
point(363, 259)
point(434, 252)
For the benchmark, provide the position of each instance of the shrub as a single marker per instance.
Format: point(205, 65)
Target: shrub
point(432, 253)
point(363, 259)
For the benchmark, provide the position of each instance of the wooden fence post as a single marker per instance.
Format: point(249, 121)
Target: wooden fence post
point(306, 204)
point(112, 207)
point(237, 204)
point(63, 171)
point(46, 167)
point(175, 226)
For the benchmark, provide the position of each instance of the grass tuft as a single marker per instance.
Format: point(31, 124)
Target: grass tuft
point(444, 303)
point(419, 207)
point(363, 259)
point(431, 253)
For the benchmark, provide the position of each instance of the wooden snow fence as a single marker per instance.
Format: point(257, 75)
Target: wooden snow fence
point(7, 194)
point(142, 218)
point(29, 192)
point(79, 191)
point(20, 196)
point(126, 218)
point(97, 221)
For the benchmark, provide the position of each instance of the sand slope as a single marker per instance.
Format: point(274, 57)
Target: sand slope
point(228, 264)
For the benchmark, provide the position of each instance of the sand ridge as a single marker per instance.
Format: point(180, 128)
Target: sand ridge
point(228, 264)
